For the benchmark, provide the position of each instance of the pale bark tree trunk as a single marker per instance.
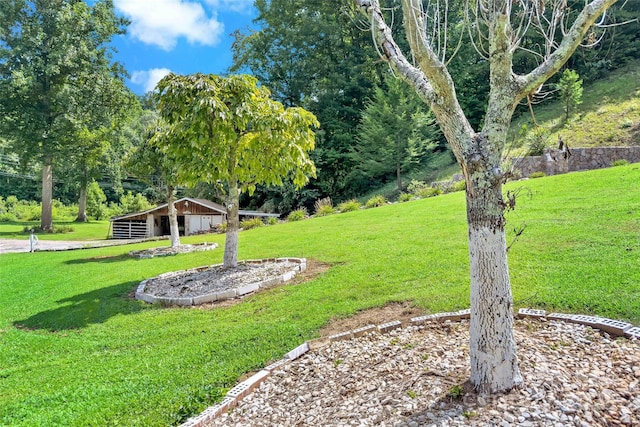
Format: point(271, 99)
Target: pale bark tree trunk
point(494, 364)
point(233, 224)
point(46, 218)
point(82, 203)
point(492, 350)
point(173, 219)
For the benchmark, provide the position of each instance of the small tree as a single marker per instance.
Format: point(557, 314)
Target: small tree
point(396, 132)
point(230, 130)
point(570, 87)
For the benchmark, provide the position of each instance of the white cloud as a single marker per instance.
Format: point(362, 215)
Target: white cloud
point(149, 78)
point(241, 6)
point(162, 22)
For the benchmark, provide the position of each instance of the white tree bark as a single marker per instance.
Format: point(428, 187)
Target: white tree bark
point(173, 219)
point(494, 363)
point(233, 224)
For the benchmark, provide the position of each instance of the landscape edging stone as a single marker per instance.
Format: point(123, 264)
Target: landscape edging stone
point(237, 393)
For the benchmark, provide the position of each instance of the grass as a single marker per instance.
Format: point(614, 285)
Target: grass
point(76, 350)
point(93, 230)
point(608, 116)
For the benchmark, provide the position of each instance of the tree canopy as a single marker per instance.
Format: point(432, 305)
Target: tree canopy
point(54, 62)
point(228, 129)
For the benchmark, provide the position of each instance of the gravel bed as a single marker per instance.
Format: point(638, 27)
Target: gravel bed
point(193, 283)
point(574, 376)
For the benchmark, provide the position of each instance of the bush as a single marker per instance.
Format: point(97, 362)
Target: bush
point(324, 207)
point(537, 175)
point(458, 186)
point(297, 215)
point(349, 206)
point(61, 229)
point(404, 197)
point(272, 220)
point(8, 217)
point(96, 200)
point(375, 202)
point(620, 162)
point(537, 142)
point(220, 228)
point(130, 203)
point(429, 192)
point(248, 224)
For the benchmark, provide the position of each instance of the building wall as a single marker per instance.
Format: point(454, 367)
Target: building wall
point(554, 162)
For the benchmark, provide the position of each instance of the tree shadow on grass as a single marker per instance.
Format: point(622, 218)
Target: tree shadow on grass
point(81, 310)
point(105, 259)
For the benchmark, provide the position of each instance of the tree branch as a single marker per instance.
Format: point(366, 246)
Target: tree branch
point(391, 51)
point(570, 42)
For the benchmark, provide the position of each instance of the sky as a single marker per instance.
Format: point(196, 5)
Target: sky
point(180, 36)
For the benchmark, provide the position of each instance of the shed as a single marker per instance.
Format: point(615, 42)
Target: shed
point(194, 216)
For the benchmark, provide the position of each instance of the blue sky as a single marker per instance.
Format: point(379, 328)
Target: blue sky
point(180, 36)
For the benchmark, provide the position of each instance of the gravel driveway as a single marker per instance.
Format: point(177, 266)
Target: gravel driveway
point(16, 245)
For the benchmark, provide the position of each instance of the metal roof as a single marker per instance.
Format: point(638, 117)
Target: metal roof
point(202, 202)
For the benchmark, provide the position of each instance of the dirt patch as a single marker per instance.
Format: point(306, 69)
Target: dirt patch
point(402, 311)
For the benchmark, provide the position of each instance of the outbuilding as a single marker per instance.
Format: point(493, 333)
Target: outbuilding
point(194, 216)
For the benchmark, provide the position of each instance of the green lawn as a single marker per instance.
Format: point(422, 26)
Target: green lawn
point(93, 230)
point(76, 350)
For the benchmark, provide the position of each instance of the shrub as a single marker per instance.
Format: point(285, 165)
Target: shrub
point(131, 203)
point(458, 186)
point(405, 197)
point(620, 162)
point(61, 229)
point(537, 175)
point(324, 207)
point(96, 200)
point(8, 217)
point(248, 224)
point(375, 202)
point(272, 220)
point(429, 192)
point(537, 142)
point(416, 186)
point(297, 215)
point(220, 228)
point(349, 206)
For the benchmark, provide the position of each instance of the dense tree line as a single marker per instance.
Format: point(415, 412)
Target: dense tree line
point(318, 55)
point(55, 59)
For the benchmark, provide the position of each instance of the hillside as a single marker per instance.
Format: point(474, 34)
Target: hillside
point(608, 116)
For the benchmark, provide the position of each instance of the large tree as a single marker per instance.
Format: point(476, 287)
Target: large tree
point(310, 55)
point(52, 53)
point(501, 27)
point(229, 130)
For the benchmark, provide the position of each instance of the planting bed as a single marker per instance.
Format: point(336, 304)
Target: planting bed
point(215, 283)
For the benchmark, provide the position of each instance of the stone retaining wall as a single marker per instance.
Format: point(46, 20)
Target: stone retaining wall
point(553, 162)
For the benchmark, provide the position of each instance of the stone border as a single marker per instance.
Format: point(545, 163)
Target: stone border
point(237, 393)
point(224, 295)
point(160, 251)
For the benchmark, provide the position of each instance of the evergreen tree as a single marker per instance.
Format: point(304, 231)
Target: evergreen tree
point(570, 88)
point(396, 133)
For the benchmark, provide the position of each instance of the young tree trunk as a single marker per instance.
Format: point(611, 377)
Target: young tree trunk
point(173, 219)
point(233, 224)
point(46, 218)
point(82, 203)
point(494, 363)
